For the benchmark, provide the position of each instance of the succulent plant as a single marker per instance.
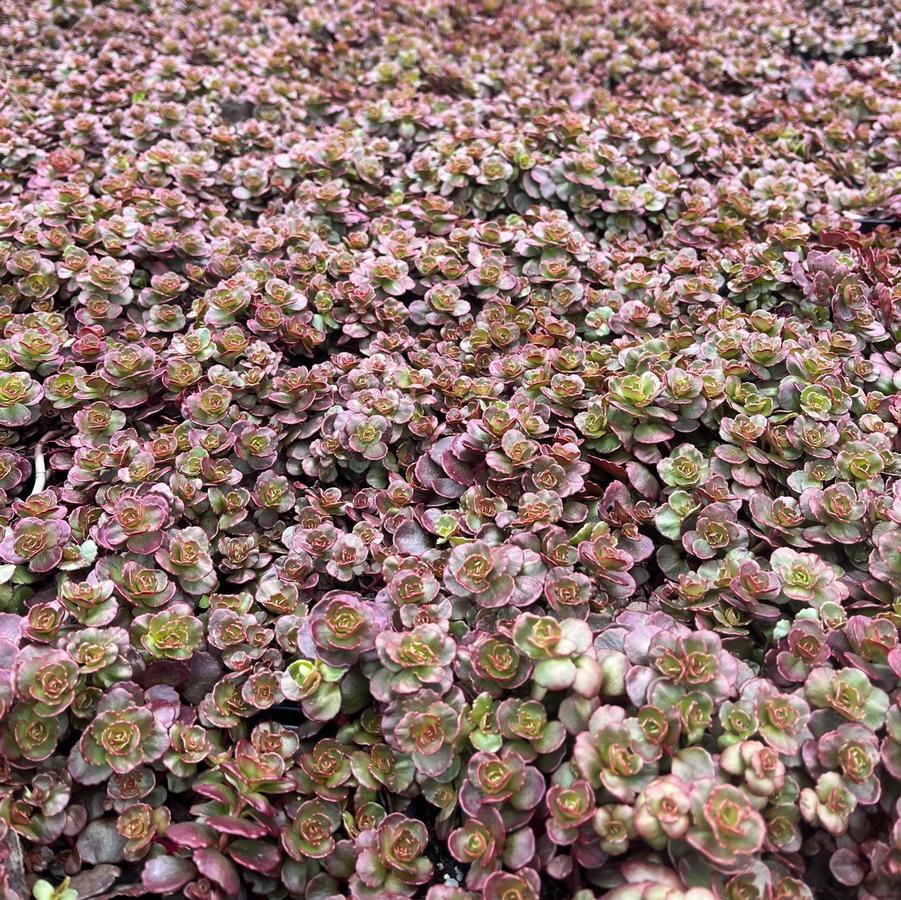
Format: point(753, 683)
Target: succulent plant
point(450, 450)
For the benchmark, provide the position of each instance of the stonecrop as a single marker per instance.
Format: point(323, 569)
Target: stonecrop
point(450, 450)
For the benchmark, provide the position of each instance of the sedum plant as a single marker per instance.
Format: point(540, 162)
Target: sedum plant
point(450, 451)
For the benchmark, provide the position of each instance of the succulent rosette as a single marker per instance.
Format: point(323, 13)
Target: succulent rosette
point(342, 626)
point(187, 556)
point(493, 663)
point(500, 780)
point(139, 585)
point(685, 468)
point(524, 885)
point(172, 633)
point(90, 602)
point(484, 844)
point(806, 577)
point(412, 660)
point(853, 750)
point(391, 858)
point(848, 693)
point(47, 679)
point(715, 532)
point(120, 738)
point(663, 811)
point(29, 736)
point(135, 523)
point(568, 593)
point(310, 834)
point(427, 728)
point(189, 745)
point(760, 767)
point(561, 652)
point(36, 543)
point(696, 662)
point(20, 395)
point(725, 827)
point(325, 770)
point(569, 808)
point(806, 648)
point(101, 653)
point(381, 766)
point(315, 686)
point(495, 576)
point(607, 754)
point(525, 724)
point(614, 828)
point(829, 804)
point(781, 719)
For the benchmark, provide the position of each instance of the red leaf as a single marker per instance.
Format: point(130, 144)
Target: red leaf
point(191, 834)
point(167, 874)
point(642, 480)
point(213, 865)
point(257, 855)
point(240, 827)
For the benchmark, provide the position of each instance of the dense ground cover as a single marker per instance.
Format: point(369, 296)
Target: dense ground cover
point(450, 449)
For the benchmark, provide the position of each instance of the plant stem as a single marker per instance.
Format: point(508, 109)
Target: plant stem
point(40, 466)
